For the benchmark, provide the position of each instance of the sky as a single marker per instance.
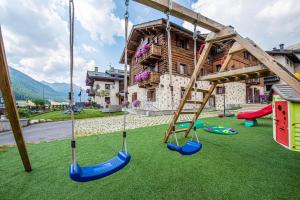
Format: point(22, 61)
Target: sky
point(36, 34)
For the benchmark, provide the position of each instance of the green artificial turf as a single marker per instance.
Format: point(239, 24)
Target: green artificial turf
point(84, 114)
point(248, 165)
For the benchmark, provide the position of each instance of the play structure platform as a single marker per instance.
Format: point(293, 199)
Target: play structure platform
point(251, 117)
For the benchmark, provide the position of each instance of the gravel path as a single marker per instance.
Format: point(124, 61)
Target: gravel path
point(61, 130)
point(112, 124)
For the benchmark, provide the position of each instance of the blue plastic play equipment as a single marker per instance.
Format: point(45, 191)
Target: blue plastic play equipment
point(189, 148)
point(250, 123)
point(89, 173)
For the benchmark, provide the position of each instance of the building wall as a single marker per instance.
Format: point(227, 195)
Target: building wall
point(114, 85)
point(163, 94)
point(285, 61)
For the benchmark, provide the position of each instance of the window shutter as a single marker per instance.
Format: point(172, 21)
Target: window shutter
point(186, 69)
point(189, 70)
point(148, 95)
point(178, 68)
point(187, 43)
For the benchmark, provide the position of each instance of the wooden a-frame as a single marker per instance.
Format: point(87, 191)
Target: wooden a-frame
point(218, 33)
point(11, 109)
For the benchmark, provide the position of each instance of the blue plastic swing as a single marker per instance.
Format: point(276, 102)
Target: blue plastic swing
point(89, 173)
point(189, 148)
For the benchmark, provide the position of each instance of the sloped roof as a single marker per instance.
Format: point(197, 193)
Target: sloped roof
point(286, 92)
point(287, 52)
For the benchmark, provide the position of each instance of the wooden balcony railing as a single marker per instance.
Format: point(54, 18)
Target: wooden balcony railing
point(152, 81)
point(153, 55)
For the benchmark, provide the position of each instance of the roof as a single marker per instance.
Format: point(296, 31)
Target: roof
point(286, 92)
point(110, 75)
point(291, 54)
point(149, 26)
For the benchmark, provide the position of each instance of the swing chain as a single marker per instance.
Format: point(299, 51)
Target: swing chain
point(126, 16)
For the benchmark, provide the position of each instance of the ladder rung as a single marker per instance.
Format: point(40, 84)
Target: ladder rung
point(194, 102)
point(181, 130)
point(199, 90)
point(183, 122)
point(187, 112)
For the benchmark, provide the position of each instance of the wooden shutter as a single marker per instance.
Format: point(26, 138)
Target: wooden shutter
point(148, 95)
point(187, 43)
point(189, 70)
point(178, 68)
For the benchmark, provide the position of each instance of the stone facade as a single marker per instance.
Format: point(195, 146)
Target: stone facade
point(100, 89)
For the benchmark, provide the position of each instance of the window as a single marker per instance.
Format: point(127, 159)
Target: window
point(107, 86)
point(202, 72)
point(233, 67)
point(182, 91)
point(151, 95)
point(246, 55)
point(107, 100)
point(220, 90)
point(134, 97)
point(182, 42)
point(97, 86)
point(218, 67)
point(182, 68)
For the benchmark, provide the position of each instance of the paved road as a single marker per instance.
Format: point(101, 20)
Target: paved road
point(40, 132)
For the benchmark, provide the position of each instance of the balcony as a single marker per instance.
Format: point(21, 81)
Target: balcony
point(271, 79)
point(252, 81)
point(152, 81)
point(152, 55)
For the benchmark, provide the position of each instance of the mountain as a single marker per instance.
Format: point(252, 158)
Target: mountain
point(26, 87)
point(63, 88)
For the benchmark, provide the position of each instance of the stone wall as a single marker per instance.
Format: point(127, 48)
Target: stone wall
point(235, 94)
point(163, 94)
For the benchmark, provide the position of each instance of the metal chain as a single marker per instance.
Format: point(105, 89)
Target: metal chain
point(126, 16)
point(71, 94)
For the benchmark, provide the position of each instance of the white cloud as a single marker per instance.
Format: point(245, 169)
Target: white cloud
point(96, 16)
point(89, 49)
point(268, 22)
point(36, 35)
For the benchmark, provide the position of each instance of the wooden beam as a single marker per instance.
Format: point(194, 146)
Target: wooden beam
point(270, 63)
point(11, 109)
point(224, 34)
point(183, 13)
point(236, 72)
point(236, 48)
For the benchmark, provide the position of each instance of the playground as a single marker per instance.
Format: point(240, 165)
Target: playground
point(254, 155)
point(237, 166)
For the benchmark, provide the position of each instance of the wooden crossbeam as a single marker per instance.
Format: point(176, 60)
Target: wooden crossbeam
point(246, 71)
point(224, 34)
point(269, 62)
point(11, 109)
point(236, 48)
point(184, 13)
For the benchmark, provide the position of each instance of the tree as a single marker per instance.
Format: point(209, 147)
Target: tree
point(39, 102)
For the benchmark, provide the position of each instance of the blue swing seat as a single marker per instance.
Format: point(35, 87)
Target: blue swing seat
point(89, 173)
point(189, 148)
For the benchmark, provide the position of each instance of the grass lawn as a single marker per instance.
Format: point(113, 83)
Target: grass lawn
point(249, 165)
point(84, 114)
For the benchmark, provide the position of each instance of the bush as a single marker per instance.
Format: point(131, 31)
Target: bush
point(24, 112)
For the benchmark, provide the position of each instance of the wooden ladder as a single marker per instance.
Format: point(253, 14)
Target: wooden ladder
point(190, 87)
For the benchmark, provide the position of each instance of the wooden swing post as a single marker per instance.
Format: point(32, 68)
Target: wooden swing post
point(11, 109)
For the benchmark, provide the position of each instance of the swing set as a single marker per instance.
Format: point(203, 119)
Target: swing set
point(219, 33)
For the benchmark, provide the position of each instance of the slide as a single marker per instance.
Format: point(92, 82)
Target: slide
point(251, 116)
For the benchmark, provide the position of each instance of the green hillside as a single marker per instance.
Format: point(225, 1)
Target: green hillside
point(26, 87)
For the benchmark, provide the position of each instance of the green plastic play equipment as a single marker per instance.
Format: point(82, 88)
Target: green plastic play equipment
point(221, 130)
point(199, 124)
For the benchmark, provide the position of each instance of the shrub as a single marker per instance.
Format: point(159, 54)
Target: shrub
point(24, 112)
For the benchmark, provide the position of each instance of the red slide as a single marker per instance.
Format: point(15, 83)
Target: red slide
point(255, 114)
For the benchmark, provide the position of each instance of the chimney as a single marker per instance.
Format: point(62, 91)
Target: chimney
point(281, 47)
point(96, 69)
